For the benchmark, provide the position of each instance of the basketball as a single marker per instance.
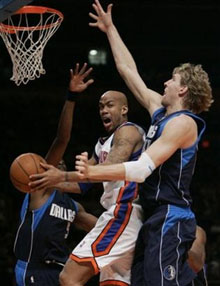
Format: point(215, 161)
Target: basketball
point(22, 167)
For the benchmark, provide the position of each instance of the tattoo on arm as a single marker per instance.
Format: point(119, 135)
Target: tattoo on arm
point(125, 142)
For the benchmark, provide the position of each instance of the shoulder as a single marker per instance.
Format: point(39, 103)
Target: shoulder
point(128, 133)
point(182, 123)
point(182, 130)
point(129, 129)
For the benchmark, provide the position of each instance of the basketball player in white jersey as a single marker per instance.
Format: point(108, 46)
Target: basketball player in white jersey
point(109, 247)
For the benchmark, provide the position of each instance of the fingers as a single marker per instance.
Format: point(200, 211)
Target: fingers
point(77, 81)
point(36, 177)
point(81, 162)
point(81, 170)
point(99, 6)
point(87, 72)
point(82, 157)
point(90, 81)
point(82, 71)
point(95, 7)
point(38, 183)
point(109, 8)
point(81, 165)
point(77, 68)
point(71, 73)
point(93, 16)
point(80, 74)
point(46, 166)
point(93, 24)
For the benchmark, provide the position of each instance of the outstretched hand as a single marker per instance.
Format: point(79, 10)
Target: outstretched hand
point(77, 78)
point(103, 19)
point(82, 166)
point(47, 179)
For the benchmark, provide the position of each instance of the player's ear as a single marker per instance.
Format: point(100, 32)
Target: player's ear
point(124, 109)
point(183, 90)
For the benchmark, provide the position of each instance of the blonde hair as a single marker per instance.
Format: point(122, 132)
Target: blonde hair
point(199, 97)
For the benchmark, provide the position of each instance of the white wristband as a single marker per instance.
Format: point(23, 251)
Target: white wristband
point(138, 171)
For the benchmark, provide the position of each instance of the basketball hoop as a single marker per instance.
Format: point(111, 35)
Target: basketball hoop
point(25, 34)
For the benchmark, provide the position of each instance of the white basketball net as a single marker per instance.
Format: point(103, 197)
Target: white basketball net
point(25, 41)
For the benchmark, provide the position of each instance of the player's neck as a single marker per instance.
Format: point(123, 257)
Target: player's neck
point(174, 108)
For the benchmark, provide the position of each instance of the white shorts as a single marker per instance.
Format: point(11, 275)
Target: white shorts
point(109, 246)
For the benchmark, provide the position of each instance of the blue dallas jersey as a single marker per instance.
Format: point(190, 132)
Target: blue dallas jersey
point(170, 182)
point(42, 233)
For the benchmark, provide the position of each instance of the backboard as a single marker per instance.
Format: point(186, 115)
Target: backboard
point(7, 7)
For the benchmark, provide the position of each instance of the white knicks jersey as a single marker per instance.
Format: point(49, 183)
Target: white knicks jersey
point(117, 191)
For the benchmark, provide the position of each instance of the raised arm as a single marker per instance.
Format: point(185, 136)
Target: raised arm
point(124, 61)
point(76, 86)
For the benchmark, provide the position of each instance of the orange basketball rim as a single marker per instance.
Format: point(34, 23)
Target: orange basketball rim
point(25, 34)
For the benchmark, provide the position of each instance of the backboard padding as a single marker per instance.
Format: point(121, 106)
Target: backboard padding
point(8, 7)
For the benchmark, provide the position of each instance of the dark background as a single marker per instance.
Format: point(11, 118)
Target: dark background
point(160, 34)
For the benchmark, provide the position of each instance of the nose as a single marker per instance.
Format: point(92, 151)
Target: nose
point(167, 82)
point(103, 110)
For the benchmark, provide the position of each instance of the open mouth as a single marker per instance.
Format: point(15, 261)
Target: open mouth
point(106, 122)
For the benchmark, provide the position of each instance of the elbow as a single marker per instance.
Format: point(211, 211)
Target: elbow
point(196, 267)
point(140, 179)
point(125, 69)
point(196, 262)
point(137, 176)
point(121, 69)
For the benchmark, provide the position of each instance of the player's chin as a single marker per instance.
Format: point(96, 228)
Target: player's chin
point(109, 128)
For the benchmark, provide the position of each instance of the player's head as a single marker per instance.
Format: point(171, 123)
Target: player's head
point(198, 97)
point(113, 109)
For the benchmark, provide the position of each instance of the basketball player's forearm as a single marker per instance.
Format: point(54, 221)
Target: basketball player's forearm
point(197, 254)
point(65, 123)
point(58, 147)
point(86, 222)
point(69, 187)
point(196, 260)
point(136, 171)
point(121, 54)
point(106, 172)
point(126, 67)
point(90, 222)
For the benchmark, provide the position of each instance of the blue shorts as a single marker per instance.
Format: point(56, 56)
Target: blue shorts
point(161, 249)
point(37, 274)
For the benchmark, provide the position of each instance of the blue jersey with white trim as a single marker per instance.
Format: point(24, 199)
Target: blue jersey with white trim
point(42, 233)
point(170, 182)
